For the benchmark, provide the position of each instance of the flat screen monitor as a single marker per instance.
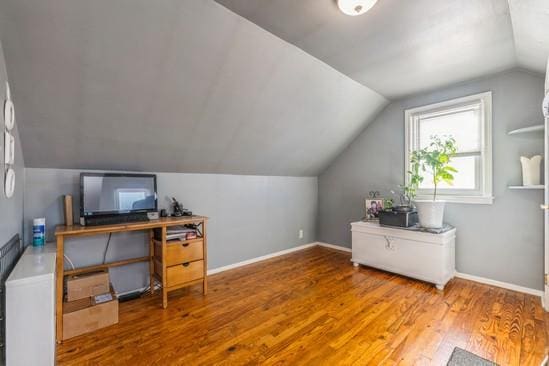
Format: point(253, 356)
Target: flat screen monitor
point(111, 193)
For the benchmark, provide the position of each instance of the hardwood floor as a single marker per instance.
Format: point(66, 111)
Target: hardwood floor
point(313, 308)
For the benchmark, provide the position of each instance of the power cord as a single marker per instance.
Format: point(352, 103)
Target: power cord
point(69, 260)
point(106, 248)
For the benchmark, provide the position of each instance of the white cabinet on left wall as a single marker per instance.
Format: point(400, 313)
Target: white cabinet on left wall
point(30, 308)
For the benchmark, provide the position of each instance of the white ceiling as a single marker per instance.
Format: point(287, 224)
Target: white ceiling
point(402, 47)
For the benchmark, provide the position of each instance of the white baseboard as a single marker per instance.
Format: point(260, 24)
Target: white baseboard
point(258, 259)
point(337, 247)
point(505, 285)
point(276, 254)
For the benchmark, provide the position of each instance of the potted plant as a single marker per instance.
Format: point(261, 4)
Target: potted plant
point(434, 159)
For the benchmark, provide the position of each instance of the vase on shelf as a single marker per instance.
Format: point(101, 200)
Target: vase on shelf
point(531, 170)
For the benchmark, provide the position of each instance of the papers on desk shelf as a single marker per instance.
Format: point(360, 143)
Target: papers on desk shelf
point(180, 232)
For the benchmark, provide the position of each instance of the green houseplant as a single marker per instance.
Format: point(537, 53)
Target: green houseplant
point(433, 160)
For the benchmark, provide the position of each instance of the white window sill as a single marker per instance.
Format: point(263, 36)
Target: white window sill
point(477, 200)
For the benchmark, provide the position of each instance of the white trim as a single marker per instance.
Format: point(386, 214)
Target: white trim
point(485, 190)
point(505, 285)
point(259, 259)
point(478, 200)
point(332, 246)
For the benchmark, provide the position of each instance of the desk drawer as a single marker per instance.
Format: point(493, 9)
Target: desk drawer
point(178, 253)
point(181, 273)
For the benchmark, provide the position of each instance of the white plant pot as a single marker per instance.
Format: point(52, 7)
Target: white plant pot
point(430, 213)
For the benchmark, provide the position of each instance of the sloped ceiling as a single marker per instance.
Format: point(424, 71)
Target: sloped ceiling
point(403, 47)
point(172, 85)
point(531, 29)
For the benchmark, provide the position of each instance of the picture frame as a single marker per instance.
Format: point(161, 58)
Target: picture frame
point(373, 206)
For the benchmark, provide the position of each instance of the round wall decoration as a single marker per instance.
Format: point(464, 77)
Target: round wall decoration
point(9, 183)
point(9, 142)
point(9, 114)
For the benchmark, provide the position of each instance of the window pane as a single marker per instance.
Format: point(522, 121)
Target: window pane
point(465, 178)
point(463, 126)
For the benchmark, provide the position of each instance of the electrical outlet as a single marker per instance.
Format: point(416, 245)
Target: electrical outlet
point(300, 233)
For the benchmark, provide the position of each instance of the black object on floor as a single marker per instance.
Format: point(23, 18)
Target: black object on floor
point(130, 296)
point(461, 357)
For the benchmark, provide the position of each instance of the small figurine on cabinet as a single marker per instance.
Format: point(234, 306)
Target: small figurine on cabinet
point(177, 208)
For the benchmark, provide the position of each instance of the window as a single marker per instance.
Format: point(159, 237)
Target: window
point(468, 120)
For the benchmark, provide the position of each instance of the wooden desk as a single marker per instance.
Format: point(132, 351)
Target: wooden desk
point(175, 264)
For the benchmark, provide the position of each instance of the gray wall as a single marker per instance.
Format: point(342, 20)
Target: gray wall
point(11, 210)
point(502, 241)
point(250, 216)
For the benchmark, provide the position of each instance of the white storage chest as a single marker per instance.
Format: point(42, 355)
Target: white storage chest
point(421, 255)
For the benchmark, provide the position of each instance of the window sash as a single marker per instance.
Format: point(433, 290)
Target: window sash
point(425, 116)
point(455, 108)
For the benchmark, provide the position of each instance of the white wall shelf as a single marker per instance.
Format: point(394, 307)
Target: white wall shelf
point(536, 128)
point(540, 186)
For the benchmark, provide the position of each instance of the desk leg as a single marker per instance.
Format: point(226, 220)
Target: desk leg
point(205, 248)
point(151, 260)
point(59, 288)
point(164, 269)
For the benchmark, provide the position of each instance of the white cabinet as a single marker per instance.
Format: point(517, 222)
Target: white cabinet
point(425, 256)
point(30, 309)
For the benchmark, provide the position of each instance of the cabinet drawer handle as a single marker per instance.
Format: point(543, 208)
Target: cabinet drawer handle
point(186, 264)
point(185, 244)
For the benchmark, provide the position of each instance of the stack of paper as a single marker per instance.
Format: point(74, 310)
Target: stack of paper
point(179, 232)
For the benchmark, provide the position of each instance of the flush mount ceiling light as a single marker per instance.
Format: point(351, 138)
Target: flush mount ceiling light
point(355, 7)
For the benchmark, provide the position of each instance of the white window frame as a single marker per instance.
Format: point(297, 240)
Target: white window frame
point(483, 195)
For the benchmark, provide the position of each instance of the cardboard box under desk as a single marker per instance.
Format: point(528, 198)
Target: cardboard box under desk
point(84, 315)
point(86, 285)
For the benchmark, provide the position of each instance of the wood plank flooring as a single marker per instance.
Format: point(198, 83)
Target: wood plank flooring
point(313, 308)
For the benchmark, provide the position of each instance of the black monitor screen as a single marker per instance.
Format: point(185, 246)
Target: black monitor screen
point(117, 193)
